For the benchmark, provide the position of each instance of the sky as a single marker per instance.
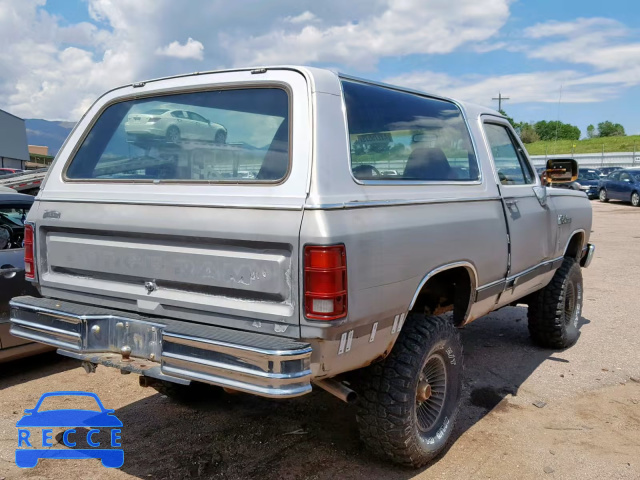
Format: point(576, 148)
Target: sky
point(573, 60)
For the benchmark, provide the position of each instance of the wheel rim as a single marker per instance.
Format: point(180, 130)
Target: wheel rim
point(431, 392)
point(570, 303)
point(174, 135)
point(603, 195)
point(635, 199)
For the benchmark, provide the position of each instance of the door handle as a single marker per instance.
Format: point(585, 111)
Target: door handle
point(511, 202)
point(10, 272)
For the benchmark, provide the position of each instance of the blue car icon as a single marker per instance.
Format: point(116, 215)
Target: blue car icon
point(69, 419)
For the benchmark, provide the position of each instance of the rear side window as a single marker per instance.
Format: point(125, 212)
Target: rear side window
point(236, 136)
point(401, 136)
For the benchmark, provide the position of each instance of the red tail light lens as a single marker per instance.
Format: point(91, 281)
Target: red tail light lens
point(325, 282)
point(29, 263)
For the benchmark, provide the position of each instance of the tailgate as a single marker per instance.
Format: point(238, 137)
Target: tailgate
point(236, 263)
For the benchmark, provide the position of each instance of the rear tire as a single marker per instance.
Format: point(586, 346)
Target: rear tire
point(635, 199)
point(603, 196)
point(554, 311)
point(409, 402)
point(173, 134)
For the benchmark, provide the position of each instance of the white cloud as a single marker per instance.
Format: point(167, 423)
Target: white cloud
point(400, 27)
point(192, 49)
point(539, 87)
point(304, 17)
point(598, 42)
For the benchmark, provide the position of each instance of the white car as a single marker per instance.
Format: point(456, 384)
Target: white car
point(173, 126)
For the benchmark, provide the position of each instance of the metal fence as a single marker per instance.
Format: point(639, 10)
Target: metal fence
point(595, 160)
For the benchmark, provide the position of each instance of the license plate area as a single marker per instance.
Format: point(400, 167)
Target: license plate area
point(127, 337)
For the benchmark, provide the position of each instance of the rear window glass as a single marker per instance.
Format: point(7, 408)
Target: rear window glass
point(236, 136)
point(402, 136)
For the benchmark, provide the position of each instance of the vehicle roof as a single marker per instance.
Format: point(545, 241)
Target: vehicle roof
point(320, 76)
point(7, 197)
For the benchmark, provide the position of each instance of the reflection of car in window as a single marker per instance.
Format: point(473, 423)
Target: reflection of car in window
point(173, 126)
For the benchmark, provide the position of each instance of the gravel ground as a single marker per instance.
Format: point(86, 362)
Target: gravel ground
point(588, 428)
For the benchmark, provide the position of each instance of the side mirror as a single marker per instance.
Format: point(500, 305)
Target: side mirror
point(561, 170)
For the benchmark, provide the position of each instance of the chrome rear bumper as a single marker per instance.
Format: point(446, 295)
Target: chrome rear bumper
point(167, 349)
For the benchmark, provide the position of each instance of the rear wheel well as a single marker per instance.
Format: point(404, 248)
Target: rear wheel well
point(445, 291)
point(574, 247)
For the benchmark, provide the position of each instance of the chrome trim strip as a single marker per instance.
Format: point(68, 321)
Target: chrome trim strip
point(54, 313)
point(442, 268)
point(277, 392)
point(25, 333)
point(490, 289)
point(233, 368)
point(396, 203)
point(191, 341)
point(174, 204)
point(512, 278)
point(46, 329)
point(578, 230)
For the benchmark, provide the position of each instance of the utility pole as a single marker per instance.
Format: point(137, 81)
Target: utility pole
point(500, 98)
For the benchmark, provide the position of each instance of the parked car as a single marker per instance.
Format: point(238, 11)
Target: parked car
point(605, 171)
point(13, 210)
point(173, 126)
point(314, 268)
point(588, 179)
point(621, 185)
point(9, 171)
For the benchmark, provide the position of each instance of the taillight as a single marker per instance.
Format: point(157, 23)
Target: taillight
point(153, 119)
point(29, 263)
point(325, 282)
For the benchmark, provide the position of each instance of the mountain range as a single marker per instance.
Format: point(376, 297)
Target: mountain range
point(48, 133)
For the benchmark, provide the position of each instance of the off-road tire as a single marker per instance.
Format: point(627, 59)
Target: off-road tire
point(387, 413)
point(553, 315)
point(635, 199)
point(602, 195)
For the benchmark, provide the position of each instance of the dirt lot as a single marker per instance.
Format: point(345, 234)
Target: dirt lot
point(588, 429)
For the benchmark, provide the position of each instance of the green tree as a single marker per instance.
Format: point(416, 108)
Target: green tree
point(556, 129)
point(528, 133)
point(591, 131)
point(609, 129)
point(513, 123)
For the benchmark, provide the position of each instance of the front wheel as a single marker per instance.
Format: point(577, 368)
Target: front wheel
point(603, 196)
point(409, 402)
point(221, 137)
point(554, 311)
point(635, 199)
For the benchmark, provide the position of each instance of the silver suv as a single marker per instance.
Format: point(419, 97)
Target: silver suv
point(343, 225)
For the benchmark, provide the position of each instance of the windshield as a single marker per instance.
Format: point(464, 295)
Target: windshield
point(236, 136)
point(588, 175)
point(13, 215)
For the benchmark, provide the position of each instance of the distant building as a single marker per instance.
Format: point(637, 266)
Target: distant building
point(39, 157)
point(13, 142)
